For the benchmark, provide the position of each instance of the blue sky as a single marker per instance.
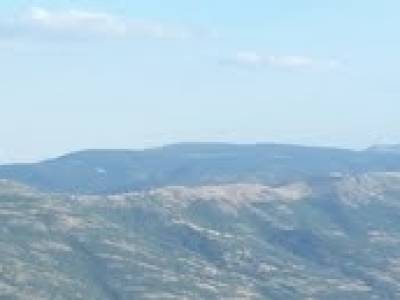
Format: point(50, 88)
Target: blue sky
point(133, 74)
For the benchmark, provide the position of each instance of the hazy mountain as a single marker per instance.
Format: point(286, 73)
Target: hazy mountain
point(331, 239)
point(103, 171)
point(385, 148)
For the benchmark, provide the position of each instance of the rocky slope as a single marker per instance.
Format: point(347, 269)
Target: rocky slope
point(331, 238)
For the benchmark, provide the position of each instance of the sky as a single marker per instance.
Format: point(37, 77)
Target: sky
point(84, 74)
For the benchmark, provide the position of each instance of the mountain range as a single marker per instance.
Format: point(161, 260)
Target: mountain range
point(119, 171)
point(203, 221)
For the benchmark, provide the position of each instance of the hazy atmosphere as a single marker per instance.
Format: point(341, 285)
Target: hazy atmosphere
point(199, 149)
point(134, 74)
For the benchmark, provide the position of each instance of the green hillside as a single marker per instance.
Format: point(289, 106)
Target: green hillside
point(331, 239)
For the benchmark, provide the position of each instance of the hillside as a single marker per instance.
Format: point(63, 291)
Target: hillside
point(336, 239)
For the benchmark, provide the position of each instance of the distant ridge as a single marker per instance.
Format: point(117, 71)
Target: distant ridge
point(193, 164)
point(394, 148)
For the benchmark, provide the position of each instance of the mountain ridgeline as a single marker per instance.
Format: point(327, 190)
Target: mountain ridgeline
point(118, 171)
point(203, 221)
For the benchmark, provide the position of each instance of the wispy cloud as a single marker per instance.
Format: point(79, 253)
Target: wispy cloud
point(43, 23)
point(252, 59)
point(74, 20)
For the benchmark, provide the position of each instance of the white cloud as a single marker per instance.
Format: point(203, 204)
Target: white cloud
point(74, 20)
point(254, 59)
point(248, 58)
point(43, 23)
